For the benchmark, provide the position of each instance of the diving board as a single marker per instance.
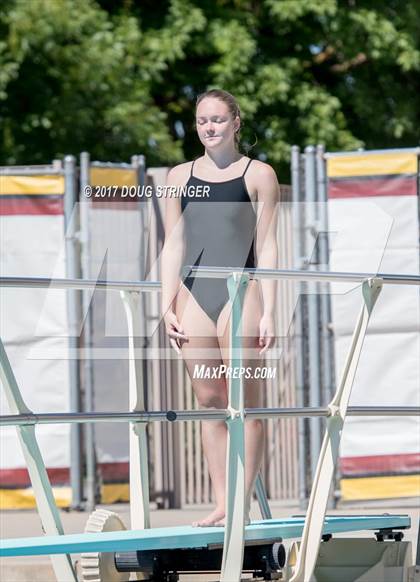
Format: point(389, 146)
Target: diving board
point(166, 538)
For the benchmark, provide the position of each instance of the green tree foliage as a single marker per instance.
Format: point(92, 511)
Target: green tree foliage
point(121, 77)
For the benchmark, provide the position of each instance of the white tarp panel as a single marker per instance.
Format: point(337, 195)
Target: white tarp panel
point(33, 245)
point(379, 234)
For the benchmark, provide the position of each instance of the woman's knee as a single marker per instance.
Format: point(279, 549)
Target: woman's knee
point(255, 425)
point(253, 394)
point(213, 396)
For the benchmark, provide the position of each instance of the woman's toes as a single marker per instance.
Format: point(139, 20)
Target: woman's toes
point(211, 519)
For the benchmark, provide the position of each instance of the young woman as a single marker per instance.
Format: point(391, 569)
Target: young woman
point(230, 222)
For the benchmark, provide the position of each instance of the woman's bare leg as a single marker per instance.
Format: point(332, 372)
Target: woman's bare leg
point(254, 429)
point(211, 393)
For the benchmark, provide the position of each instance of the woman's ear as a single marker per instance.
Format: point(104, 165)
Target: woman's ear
point(237, 124)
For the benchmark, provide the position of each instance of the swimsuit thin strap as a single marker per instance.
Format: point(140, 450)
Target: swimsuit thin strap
point(247, 166)
point(192, 166)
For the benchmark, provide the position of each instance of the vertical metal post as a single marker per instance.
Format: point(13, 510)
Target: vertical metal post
point(139, 163)
point(74, 313)
point(313, 308)
point(89, 428)
point(139, 443)
point(327, 338)
point(157, 339)
point(139, 465)
point(262, 498)
point(298, 248)
point(325, 298)
point(233, 544)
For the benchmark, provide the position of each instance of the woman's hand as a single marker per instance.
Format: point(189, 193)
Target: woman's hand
point(266, 332)
point(174, 331)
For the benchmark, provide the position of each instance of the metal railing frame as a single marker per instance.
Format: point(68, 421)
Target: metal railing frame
point(235, 415)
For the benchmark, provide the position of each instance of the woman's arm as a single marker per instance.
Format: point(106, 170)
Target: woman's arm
point(173, 248)
point(268, 198)
point(172, 255)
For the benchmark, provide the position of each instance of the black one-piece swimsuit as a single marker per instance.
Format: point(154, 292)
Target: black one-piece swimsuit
point(219, 232)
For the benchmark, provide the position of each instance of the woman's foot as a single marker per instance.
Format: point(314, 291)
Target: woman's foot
point(222, 522)
point(212, 519)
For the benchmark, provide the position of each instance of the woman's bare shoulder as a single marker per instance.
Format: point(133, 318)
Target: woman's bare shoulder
point(179, 173)
point(263, 181)
point(262, 170)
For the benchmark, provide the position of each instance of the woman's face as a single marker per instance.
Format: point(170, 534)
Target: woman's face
point(214, 123)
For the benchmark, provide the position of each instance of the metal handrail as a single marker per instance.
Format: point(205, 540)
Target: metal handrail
point(214, 272)
point(186, 415)
point(299, 275)
point(47, 283)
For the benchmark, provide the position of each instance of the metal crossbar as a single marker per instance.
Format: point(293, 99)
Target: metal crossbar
point(213, 272)
point(235, 415)
point(188, 415)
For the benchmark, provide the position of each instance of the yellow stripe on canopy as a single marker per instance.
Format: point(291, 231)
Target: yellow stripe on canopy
point(113, 177)
point(28, 185)
point(371, 164)
point(380, 487)
point(25, 498)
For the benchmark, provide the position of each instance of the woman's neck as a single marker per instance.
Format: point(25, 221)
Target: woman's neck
point(221, 159)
